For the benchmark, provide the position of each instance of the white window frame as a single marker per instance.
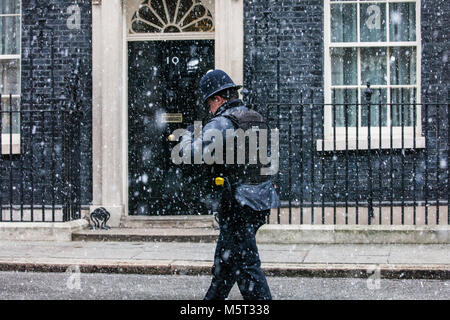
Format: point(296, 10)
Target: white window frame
point(400, 136)
point(6, 147)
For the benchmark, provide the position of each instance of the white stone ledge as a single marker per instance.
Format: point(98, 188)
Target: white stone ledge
point(363, 143)
point(40, 231)
point(337, 234)
point(7, 147)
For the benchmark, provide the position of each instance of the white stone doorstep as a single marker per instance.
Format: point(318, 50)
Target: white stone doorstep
point(40, 231)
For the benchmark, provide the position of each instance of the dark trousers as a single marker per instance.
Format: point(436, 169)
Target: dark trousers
point(236, 257)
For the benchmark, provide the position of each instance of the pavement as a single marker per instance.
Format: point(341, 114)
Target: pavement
point(390, 261)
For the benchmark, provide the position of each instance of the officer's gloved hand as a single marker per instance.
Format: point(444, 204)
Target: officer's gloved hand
point(190, 128)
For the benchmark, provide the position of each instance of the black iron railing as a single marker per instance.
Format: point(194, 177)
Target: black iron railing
point(39, 163)
point(336, 168)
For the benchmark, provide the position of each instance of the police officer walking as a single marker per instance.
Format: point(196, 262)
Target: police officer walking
point(246, 197)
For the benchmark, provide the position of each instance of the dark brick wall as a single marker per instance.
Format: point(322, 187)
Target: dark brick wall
point(284, 63)
point(283, 45)
point(435, 49)
point(72, 47)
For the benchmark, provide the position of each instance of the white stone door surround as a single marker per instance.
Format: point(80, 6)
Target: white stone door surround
point(110, 105)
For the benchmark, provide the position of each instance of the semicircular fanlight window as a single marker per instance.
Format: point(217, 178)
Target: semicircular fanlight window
point(172, 16)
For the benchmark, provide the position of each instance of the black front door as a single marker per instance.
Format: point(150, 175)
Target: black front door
point(163, 95)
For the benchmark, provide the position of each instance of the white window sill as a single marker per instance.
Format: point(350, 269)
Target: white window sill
point(363, 143)
point(7, 148)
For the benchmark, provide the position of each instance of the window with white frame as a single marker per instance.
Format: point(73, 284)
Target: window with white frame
point(10, 66)
point(376, 42)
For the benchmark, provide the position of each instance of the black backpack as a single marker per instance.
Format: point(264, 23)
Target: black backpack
point(248, 173)
point(247, 119)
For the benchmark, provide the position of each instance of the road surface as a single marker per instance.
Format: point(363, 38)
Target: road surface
point(75, 285)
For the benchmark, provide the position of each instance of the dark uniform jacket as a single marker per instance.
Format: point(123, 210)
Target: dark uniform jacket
point(258, 196)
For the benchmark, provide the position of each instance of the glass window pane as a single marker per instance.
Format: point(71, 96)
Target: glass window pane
point(9, 81)
point(373, 22)
point(344, 105)
point(402, 21)
point(344, 69)
point(373, 66)
point(8, 105)
point(9, 35)
point(199, 19)
point(403, 65)
point(377, 108)
point(402, 104)
point(343, 23)
point(9, 6)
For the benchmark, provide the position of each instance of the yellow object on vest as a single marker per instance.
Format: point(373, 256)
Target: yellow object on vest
point(220, 181)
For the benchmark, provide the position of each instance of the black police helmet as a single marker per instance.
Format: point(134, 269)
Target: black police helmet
point(215, 81)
